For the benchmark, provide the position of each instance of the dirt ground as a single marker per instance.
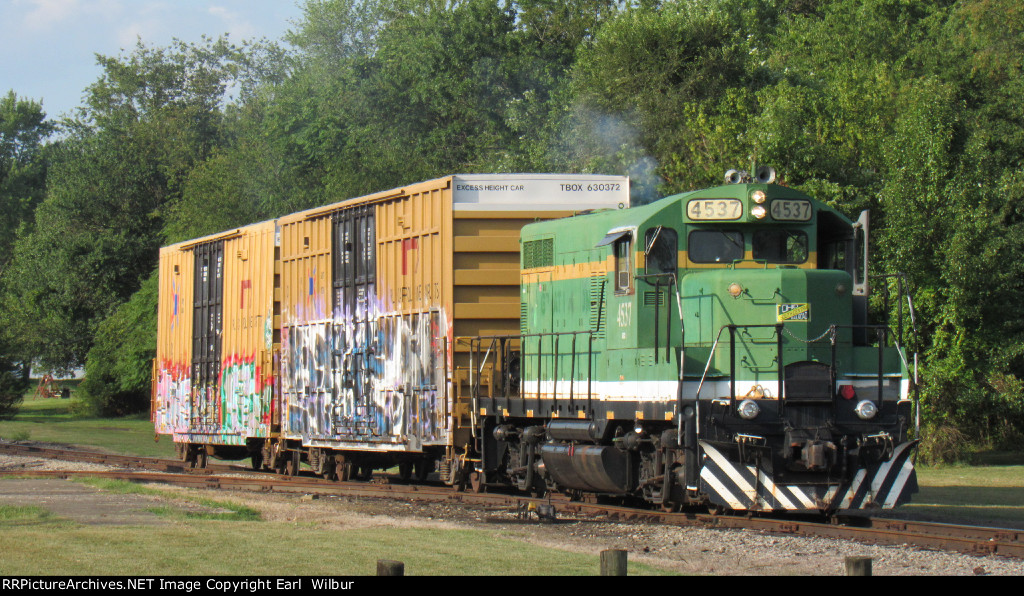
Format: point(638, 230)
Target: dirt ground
point(682, 550)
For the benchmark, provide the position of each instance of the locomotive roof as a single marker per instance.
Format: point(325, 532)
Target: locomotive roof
point(609, 219)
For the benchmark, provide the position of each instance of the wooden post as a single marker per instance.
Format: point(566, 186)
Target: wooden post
point(858, 566)
point(390, 568)
point(613, 562)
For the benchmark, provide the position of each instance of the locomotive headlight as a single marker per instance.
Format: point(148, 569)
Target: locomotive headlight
point(758, 196)
point(748, 409)
point(759, 211)
point(866, 410)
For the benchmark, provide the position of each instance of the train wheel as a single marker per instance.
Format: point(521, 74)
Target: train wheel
point(256, 460)
point(342, 471)
point(422, 470)
point(201, 458)
point(291, 467)
point(365, 472)
point(327, 468)
point(476, 481)
point(405, 471)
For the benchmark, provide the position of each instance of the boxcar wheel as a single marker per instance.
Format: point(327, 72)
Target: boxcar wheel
point(342, 471)
point(422, 470)
point(327, 468)
point(291, 467)
point(405, 471)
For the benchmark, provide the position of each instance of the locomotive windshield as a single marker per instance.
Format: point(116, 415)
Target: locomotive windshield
point(715, 246)
point(781, 246)
point(777, 246)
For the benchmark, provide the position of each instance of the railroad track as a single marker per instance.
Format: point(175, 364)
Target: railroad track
point(975, 540)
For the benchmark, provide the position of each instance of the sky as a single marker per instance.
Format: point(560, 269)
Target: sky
point(48, 47)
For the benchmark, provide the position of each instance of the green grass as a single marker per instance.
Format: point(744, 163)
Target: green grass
point(55, 421)
point(991, 494)
point(232, 511)
point(15, 515)
point(200, 547)
point(982, 495)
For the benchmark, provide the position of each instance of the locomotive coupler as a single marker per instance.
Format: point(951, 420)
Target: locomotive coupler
point(810, 450)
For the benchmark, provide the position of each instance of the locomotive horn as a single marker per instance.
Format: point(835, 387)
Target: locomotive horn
point(765, 175)
point(733, 177)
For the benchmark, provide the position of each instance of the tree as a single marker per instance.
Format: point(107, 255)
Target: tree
point(152, 117)
point(23, 165)
point(13, 382)
point(118, 365)
point(23, 131)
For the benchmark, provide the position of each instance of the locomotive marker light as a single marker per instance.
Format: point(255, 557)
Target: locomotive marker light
point(758, 196)
point(735, 290)
point(866, 410)
point(748, 409)
point(759, 211)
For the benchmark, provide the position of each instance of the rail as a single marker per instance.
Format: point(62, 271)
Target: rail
point(969, 539)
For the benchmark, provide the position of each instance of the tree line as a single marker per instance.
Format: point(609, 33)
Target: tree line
point(913, 109)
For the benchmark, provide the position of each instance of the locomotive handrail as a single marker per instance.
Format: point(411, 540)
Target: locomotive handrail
point(901, 279)
point(475, 345)
point(882, 332)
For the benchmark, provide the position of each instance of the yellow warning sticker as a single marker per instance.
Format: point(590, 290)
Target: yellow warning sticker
point(788, 313)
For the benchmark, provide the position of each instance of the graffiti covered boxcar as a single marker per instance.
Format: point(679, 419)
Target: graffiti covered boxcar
point(213, 374)
point(350, 315)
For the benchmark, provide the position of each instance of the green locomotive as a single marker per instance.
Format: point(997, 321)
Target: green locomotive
point(712, 347)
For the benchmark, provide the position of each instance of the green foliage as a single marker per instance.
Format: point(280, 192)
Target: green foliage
point(153, 116)
point(118, 366)
point(23, 129)
point(23, 168)
point(666, 84)
point(13, 384)
point(943, 444)
point(914, 110)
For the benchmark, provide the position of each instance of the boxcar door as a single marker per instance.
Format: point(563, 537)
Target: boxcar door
point(207, 329)
point(360, 414)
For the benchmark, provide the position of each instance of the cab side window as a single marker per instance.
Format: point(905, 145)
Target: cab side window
point(624, 264)
point(662, 248)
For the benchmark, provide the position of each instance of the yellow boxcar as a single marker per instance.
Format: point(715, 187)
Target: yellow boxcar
point(376, 290)
point(213, 373)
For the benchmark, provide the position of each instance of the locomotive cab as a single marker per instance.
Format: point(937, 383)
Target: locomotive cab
point(710, 347)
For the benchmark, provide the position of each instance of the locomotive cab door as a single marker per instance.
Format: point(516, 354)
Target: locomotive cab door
point(658, 294)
